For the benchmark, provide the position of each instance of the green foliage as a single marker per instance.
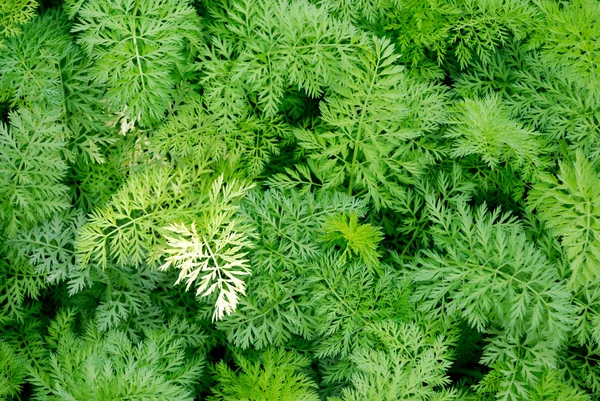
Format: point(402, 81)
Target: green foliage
point(277, 375)
point(568, 205)
point(428, 32)
point(517, 366)
point(485, 270)
point(580, 366)
point(218, 251)
point(109, 366)
point(13, 369)
point(411, 365)
point(299, 200)
point(349, 296)
point(278, 44)
point(32, 168)
point(30, 62)
point(353, 238)
point(572, 44)
point(280, 299)
point(373, 151)
point(49, 246)
point(482, 127)
point(551, 387)
point(540, 94)
point(43, 68)
point(488, 24)
point(196, 133)
point(128, 230)
point(13, 14)
point(139, 50)
point(507, 381)
point(430, 26)
point(148, 217)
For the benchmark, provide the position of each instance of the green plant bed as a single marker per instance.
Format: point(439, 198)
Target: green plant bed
point(337, 200)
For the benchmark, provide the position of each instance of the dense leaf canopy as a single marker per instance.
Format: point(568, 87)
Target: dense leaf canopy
point(300, 200)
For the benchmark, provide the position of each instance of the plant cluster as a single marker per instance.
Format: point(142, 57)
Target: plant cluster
point(300, 200)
